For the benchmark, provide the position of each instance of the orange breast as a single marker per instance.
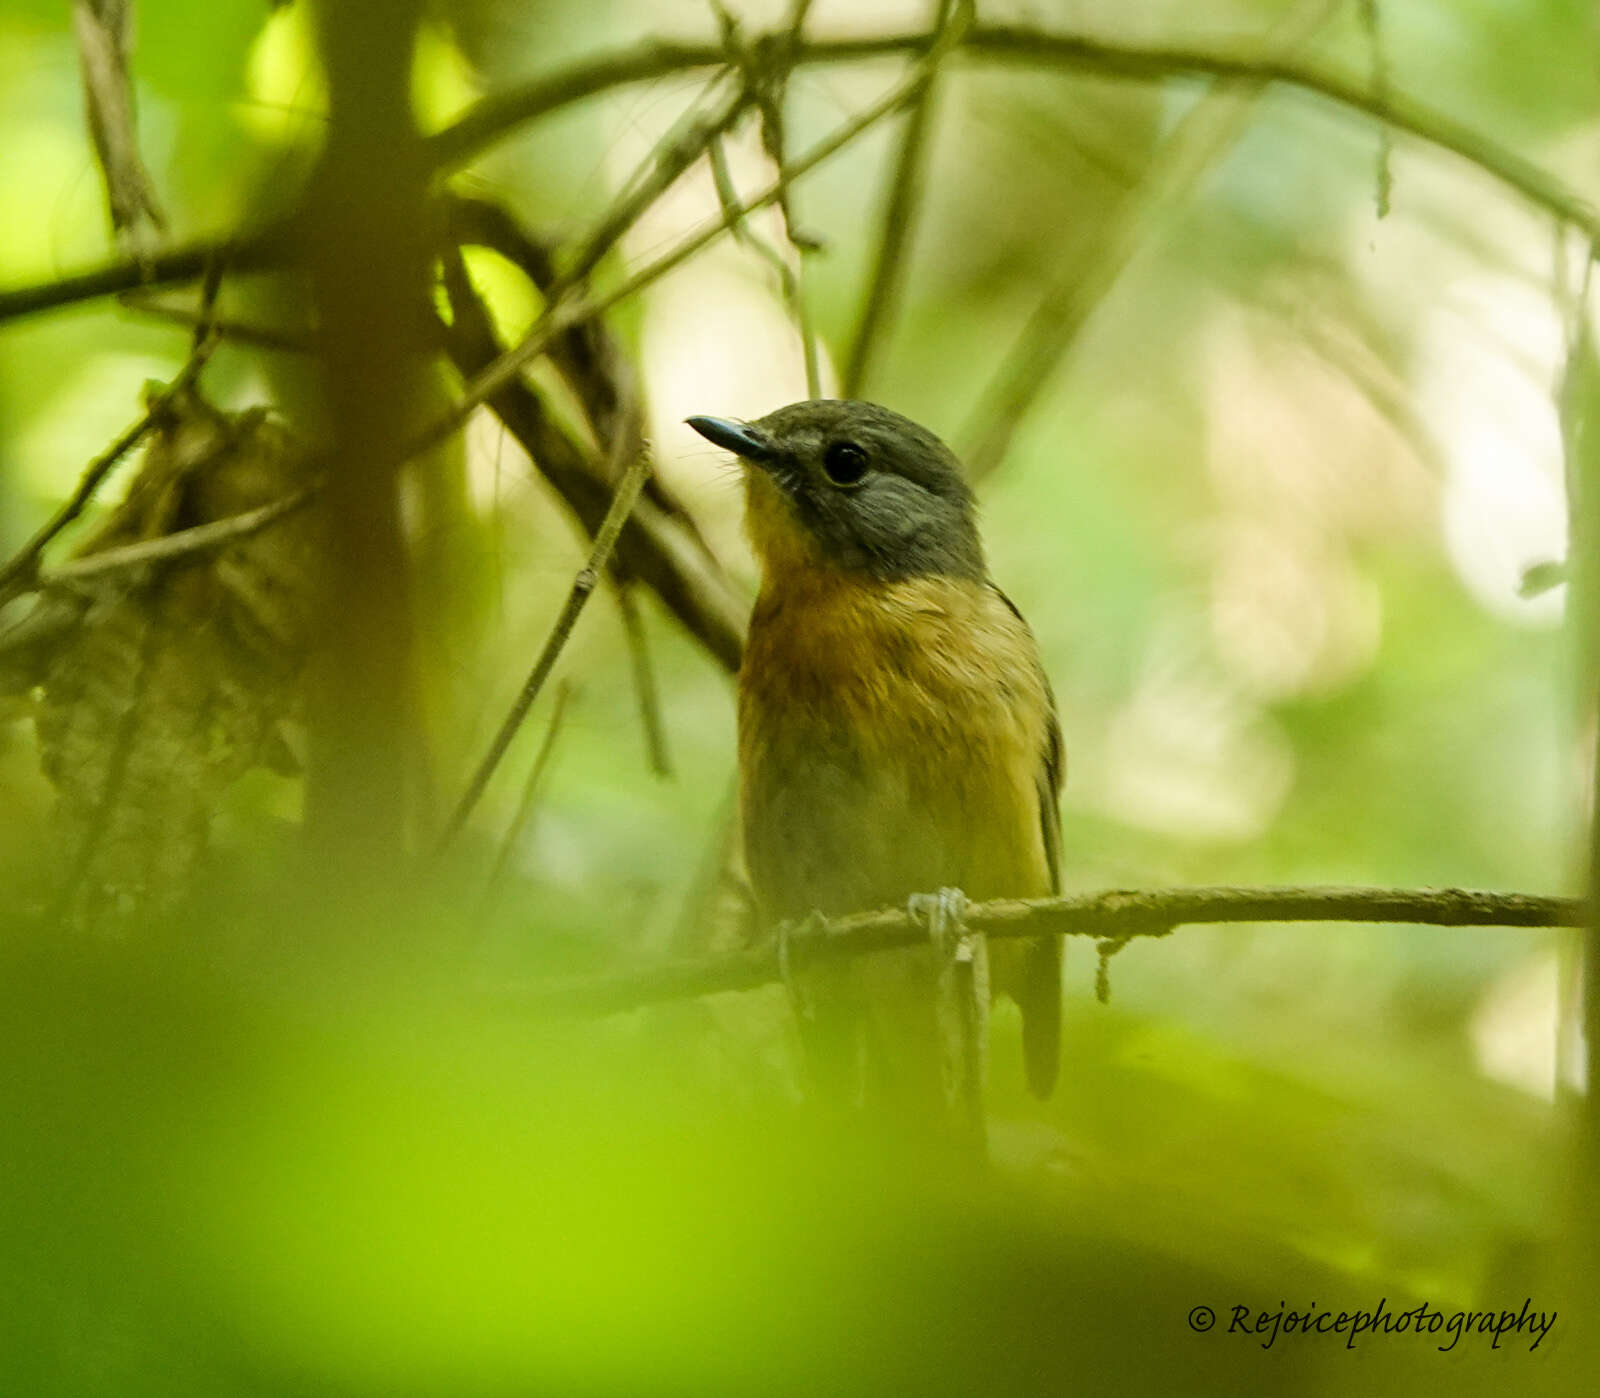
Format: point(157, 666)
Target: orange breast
point(892, 739)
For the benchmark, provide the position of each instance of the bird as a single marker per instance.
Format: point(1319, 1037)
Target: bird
point(897, 734)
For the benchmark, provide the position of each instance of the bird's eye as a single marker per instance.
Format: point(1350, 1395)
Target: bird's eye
point(845, 463)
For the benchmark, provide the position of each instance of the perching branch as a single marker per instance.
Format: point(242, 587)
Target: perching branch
point(1114, 916)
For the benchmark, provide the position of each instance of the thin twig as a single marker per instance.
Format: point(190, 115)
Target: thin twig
point(564, 315)
point(232, 331)
point(894, 236)
point(588, 357)
point(210, 291)
point(248, 252)
point(1372, 24)
point(788, 277)
point(184, 543)
point(588, 578)
point(1117, 914)
point(644, 680)
point(105, 36)
point(656, 546)
point(770, 95)
point(798, 13)
point(680, 148)
point(1193, 147)
point(21, 572)
point(530, 788)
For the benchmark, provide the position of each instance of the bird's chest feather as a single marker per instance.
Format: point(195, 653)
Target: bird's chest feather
point(890, 742)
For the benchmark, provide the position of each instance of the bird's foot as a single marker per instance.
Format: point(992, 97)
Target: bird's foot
point(805, 931)
point(961, 1003)
point(945, 915)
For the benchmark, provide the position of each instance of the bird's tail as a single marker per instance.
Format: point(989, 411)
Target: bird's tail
point(1037, 991)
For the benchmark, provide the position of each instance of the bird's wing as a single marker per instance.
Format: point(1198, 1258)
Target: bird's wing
point(1052, 764)
point(1036, 984)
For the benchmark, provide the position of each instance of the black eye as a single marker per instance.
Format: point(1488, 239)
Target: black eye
point(845, 463)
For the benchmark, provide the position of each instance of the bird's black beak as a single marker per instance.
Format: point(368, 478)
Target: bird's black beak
point(738, 437)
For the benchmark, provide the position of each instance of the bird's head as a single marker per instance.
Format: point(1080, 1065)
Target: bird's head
point(852, 487)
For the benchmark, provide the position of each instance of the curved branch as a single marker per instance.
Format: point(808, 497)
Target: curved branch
point(493, 118)
point(1116, 915)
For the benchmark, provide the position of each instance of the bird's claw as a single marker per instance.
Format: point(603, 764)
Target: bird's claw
point(945, 914)
point(806, 931)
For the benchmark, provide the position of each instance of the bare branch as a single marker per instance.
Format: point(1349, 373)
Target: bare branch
point(105, 42)
point(494, 117)
point(248, 252)
point(644, 680)
point(1204, 135)
point(184, 543)
point(583, 585)
point(1115, 916)
point(671, 157)
point(894, 237)
point(564, 314)
point(656, 546)
point(530, 788)
point(788, 277)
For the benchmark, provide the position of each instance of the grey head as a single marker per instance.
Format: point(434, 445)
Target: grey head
point(874, 491)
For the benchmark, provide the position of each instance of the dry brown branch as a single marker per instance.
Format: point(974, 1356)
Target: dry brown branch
point(1113, 916)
